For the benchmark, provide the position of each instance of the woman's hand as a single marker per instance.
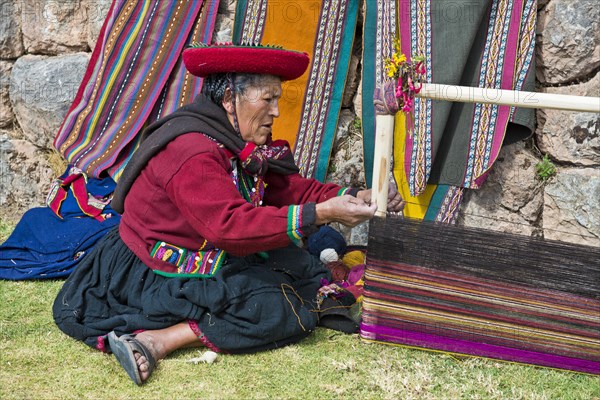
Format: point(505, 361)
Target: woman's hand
point(395, 201)
point(347, 210)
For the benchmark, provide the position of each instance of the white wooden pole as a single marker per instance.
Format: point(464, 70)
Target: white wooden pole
point(465, 94)
point(384, 139)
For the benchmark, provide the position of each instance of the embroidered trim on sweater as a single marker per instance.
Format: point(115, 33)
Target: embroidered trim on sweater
point(199, 263)
point(294, 225)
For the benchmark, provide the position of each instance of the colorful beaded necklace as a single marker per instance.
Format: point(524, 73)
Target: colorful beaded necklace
point(252, 188)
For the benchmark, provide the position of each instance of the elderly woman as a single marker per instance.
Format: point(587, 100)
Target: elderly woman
point(209, 248)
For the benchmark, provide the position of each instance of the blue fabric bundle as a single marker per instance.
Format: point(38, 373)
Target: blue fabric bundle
point(44, 246)
point(49, 243)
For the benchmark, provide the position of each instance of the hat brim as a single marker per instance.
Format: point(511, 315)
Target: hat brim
point(204, 61)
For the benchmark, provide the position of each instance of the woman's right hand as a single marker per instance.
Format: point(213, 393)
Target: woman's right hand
point(347, 210)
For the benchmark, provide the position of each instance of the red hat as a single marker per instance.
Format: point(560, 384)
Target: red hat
point(202, 60)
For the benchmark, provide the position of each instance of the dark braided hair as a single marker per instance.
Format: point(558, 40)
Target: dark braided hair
point(214, 85)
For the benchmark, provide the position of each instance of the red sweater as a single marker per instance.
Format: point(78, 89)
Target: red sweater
point(185, 200)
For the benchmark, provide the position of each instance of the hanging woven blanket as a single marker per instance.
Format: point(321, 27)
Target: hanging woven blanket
point(134, 77)
point(486, 44)
point(310, 105)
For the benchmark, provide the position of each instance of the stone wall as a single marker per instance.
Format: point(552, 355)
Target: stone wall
point(46, 44)
point(566, 207)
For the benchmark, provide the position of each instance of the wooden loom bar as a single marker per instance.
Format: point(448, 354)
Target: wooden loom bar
point(464, 94)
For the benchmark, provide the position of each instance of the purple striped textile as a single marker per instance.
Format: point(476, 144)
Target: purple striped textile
point(482, 293)
point(441, 343)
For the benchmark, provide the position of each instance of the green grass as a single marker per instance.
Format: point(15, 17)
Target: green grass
point(37, 361)
point(5, 229)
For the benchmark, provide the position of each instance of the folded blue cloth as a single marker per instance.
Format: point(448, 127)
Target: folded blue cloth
point(44, 246)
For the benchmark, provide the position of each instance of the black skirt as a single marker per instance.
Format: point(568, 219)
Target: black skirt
point(250, 304)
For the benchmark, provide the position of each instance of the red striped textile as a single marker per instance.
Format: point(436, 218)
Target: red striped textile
point(135, 76)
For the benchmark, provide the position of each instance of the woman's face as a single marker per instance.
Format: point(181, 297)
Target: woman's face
point(257, 108)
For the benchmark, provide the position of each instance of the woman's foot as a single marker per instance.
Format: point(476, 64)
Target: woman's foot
point(133, 355)
point(139, 353)
point(145, 366)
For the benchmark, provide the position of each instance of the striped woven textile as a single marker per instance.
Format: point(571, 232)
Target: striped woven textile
point(379, 32)
point(483, 44)
point(310, 105)
point(482, 293)
point(135, 76)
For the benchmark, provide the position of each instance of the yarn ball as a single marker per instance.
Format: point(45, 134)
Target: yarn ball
point(353, 258)
point(356, 274)
point(326, 238)
point(328, 255)
point(338, 270)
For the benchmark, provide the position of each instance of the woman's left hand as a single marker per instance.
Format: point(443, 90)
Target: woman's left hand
point(395, 201)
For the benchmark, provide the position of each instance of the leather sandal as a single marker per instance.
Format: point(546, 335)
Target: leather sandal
point(124, 348)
